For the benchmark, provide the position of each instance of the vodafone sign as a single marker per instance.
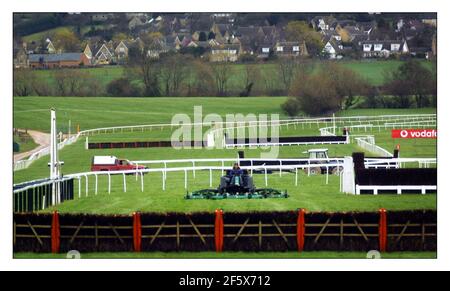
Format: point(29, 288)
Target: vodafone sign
point(414, 133)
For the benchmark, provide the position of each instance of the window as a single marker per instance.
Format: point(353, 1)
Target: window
point(367, 47)
point(395, 47)
point(265, 50)
point(378, 47)
point(321, 156)
point(279, 48)
point(296, 48)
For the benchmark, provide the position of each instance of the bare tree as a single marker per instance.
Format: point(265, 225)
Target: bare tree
point(252, 74)
point(221, 73)
point(173, 73)
point(22, 82)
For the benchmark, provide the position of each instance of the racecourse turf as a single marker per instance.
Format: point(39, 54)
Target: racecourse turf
point(312, 193)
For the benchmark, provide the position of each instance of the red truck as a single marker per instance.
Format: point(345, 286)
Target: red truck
point(112, 163)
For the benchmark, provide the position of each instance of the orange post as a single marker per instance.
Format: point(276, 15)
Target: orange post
point(218, 230)
point(301, 229)
point(382, 230)
point(137, 231)
point(55, 232)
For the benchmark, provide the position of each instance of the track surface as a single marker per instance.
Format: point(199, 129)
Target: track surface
point(40, 138)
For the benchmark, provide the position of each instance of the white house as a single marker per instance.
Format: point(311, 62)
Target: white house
point(333, 48)
point(377, 49)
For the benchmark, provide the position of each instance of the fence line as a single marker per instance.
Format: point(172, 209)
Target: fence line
point(23, 164)
point(281, 231)
point(372, 147)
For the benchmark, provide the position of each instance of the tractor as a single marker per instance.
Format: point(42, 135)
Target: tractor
point(236, 186)
point(321, 154)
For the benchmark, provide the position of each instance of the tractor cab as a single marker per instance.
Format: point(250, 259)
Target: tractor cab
point(317, 153)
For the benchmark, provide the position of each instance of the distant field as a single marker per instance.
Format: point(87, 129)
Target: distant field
point(94, 112)
point(373, 71)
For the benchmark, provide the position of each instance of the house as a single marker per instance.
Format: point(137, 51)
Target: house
point(264, 51)
point(322, 22)
point(225, 53)
point(333, 48)
point(21, 56)
point(385, 48)
point(50, 47)
point(121, 52)
point(103, 56)
point(135, 22)
point(221, 32)
point(49, 61)
point(290, 49)
point(88, 52)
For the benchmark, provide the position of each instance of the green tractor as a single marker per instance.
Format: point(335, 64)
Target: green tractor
point(237, 185)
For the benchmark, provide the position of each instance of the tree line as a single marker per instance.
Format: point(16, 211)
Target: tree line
point(333, 87)
point(314, 88)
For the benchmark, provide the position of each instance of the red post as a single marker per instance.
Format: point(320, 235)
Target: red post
point(218, 230)
point(137, 231)
point(55, 234)
point(301, 229)
point(382, 230)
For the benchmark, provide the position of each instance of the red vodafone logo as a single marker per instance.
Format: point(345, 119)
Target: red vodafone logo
point(414, 133)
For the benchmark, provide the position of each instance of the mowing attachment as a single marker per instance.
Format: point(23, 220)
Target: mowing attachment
point(236, 184)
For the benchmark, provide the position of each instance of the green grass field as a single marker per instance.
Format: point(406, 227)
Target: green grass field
point(231, 255)
point(95, 112)
point(311, 193)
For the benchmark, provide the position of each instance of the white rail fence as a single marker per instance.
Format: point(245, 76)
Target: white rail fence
point(306, 165)
point(350, 121)
point(368, 143)
point(23, 164)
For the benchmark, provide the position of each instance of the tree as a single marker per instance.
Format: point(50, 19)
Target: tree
point(118, 37)
point(74, 83)
point(348, 84)
point(288, 69)
point(22, 82)
point(314, 95)
point(300, 30)
point(331, 88)
point(66, 40)
point(173, 73)
point(252, 74)
point(411, 79)
point(122, 87)
point(199, 79)
point(221, 73)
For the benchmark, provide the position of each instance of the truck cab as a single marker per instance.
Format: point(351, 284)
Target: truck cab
point(317, 153)
point(112, 163)
point(321, 154)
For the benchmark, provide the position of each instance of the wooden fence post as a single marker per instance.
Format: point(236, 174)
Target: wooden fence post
point(382, 230)
point(301, 229)
point(218, 230)
point(137, 231)
point(55, 232)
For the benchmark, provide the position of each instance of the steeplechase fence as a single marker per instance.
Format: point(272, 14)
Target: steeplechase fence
point(227, 231)
point(286, 141)
point(145, 144)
